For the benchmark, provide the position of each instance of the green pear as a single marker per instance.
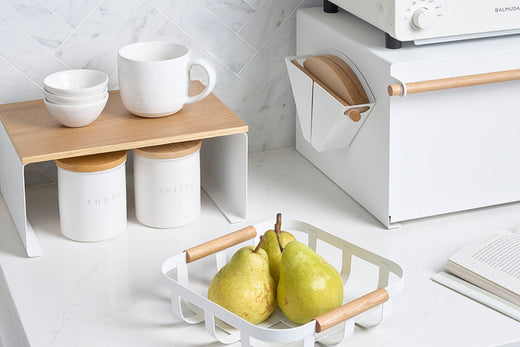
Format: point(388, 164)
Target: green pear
point(244, 285)
point(275, 241)
point(272, 247)
point(308, 286)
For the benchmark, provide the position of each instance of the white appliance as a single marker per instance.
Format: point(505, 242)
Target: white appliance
point(420, 154)
point(428, 21)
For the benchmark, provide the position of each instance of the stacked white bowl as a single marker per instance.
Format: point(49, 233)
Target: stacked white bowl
point(76, 98)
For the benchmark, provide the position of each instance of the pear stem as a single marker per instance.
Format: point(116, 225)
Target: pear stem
point(262, 239)
point(277, 228)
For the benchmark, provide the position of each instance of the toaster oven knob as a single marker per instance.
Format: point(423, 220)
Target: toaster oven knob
point(423, 18)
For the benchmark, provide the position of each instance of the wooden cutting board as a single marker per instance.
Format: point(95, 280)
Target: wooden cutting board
point(339, 79)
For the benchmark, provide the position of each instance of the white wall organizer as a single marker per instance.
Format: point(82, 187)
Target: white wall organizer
point(326, 120)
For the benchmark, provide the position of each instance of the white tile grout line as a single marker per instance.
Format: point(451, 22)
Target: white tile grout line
point(247, 2)
point(159, 27)
point(48, 7)
point(245, 23)
point(21, 73)
point(272, 75)
point(113, 32)
point(224, 24)
point(56, 4)
point(44, 5)
point(31, 38)
point(243, 40)
point(51, 10)
point(270, 37)
point(250, 18)
point(282, 63)
point(202, 46)
point(59, 17)
point(280, 26)
point(79, 25)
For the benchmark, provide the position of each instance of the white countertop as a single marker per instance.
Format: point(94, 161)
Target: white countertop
point(111, 294)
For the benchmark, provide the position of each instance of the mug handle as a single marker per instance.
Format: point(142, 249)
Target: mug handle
point(212, 77)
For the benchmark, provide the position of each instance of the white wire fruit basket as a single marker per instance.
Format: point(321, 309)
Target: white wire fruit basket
point(370, 282)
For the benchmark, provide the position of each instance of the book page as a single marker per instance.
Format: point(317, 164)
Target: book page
point(502, 253)
point(496, 258)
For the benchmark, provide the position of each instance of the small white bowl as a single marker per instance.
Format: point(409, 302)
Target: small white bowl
point(74, 100)
point(75, 116)
point(81, 82)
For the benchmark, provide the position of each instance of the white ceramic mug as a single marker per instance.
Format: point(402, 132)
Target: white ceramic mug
point(154, 78)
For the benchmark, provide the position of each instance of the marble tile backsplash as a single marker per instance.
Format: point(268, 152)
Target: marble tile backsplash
point(245, 40)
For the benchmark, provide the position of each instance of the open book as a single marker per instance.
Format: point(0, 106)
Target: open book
point(488, 271)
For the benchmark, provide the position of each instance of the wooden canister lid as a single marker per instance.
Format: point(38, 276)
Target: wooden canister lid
point(93, 163)
point(169, 151)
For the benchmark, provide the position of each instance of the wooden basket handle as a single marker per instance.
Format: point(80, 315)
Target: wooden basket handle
point(218, 244)
point(351, 309)
point(454, 82)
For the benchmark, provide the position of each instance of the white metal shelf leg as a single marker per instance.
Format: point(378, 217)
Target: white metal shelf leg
point(12, 185)
point(223, 163)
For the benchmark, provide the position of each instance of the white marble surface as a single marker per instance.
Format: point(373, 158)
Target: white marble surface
point(234, 15)
point(49, 30)
point(245, 40)
point(110, 293)
point(261, 26)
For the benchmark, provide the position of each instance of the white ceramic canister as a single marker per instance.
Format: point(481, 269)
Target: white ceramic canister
point(167, 184)
point(92, 196)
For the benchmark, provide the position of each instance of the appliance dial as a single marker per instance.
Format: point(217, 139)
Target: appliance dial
point(423, 18)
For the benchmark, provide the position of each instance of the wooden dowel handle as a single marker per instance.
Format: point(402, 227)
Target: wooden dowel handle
point(351, 309)
point(455, 82)
point(355, 113)
point(395, 90)
point(220, 243)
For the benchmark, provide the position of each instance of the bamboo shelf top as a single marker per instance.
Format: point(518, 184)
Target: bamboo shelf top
point(37, 137)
